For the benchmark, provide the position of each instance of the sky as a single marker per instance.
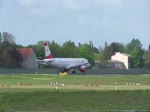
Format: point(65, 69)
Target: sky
point(81, 21)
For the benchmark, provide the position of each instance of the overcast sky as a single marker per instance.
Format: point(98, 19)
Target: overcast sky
point(81, 21)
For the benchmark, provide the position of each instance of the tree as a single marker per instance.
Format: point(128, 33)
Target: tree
point(17, 57)
point(55, 49)
point(137, 58)
point(112, 48)
point(0, 38)
point(134, 48)
point(3, 47)
point(7, 59)
point(38, 49)
point(7, 37)
point(85, 51)
point(147, 58)
point(69, 49)
point(134, 44)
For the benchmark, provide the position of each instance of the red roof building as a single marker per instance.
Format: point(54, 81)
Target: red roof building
point(29, 58)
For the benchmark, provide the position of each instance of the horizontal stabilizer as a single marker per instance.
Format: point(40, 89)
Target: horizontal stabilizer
point(41, 62)
point(45, 61)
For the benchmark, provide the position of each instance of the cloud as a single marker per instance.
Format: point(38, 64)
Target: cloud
point(108, 2)
point(48, 7)
point(77, 18)
point(1, 3)
point(27, 3)
point(55, 7)
point(70, 4)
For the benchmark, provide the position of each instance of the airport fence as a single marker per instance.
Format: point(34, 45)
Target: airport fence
point(89, 71)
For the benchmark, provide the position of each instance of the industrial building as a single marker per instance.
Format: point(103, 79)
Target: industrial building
point(121, 60)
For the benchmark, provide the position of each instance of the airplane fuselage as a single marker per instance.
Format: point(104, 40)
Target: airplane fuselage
point(67, 62)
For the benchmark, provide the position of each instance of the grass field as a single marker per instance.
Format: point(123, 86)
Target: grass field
point(80, 93)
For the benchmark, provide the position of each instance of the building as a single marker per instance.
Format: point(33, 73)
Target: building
point(121, 58)
point(29, 58)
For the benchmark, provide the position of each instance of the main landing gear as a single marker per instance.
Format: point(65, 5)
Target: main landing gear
point(66, 70)
point(73, 72)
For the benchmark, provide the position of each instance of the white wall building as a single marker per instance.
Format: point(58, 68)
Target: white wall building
point(122, 57)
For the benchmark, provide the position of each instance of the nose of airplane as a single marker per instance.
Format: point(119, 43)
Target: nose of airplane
point(88, 65)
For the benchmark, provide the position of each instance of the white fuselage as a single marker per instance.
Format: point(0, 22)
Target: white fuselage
point(67, 62)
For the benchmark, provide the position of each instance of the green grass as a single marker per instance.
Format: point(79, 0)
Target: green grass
point(75, 101)
point(80, 93)
point(75, 79)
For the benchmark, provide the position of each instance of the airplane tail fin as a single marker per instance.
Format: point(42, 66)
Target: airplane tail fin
point(48, 54)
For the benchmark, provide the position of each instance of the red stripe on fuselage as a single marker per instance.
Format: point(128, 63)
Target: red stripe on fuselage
point(49, 57)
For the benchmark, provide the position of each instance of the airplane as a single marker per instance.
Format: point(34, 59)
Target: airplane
point(65, 64)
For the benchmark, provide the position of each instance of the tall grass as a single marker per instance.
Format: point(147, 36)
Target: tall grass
point(75, 101)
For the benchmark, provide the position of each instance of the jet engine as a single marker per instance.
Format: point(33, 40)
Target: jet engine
point(82, 69)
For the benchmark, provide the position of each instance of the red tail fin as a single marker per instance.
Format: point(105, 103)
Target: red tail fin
point(48, 54)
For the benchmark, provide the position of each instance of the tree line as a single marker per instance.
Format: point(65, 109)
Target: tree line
point(10, 58)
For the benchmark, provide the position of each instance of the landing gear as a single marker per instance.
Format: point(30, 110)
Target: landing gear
point(64, 70)
point(73, 72)
point(83, 72)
